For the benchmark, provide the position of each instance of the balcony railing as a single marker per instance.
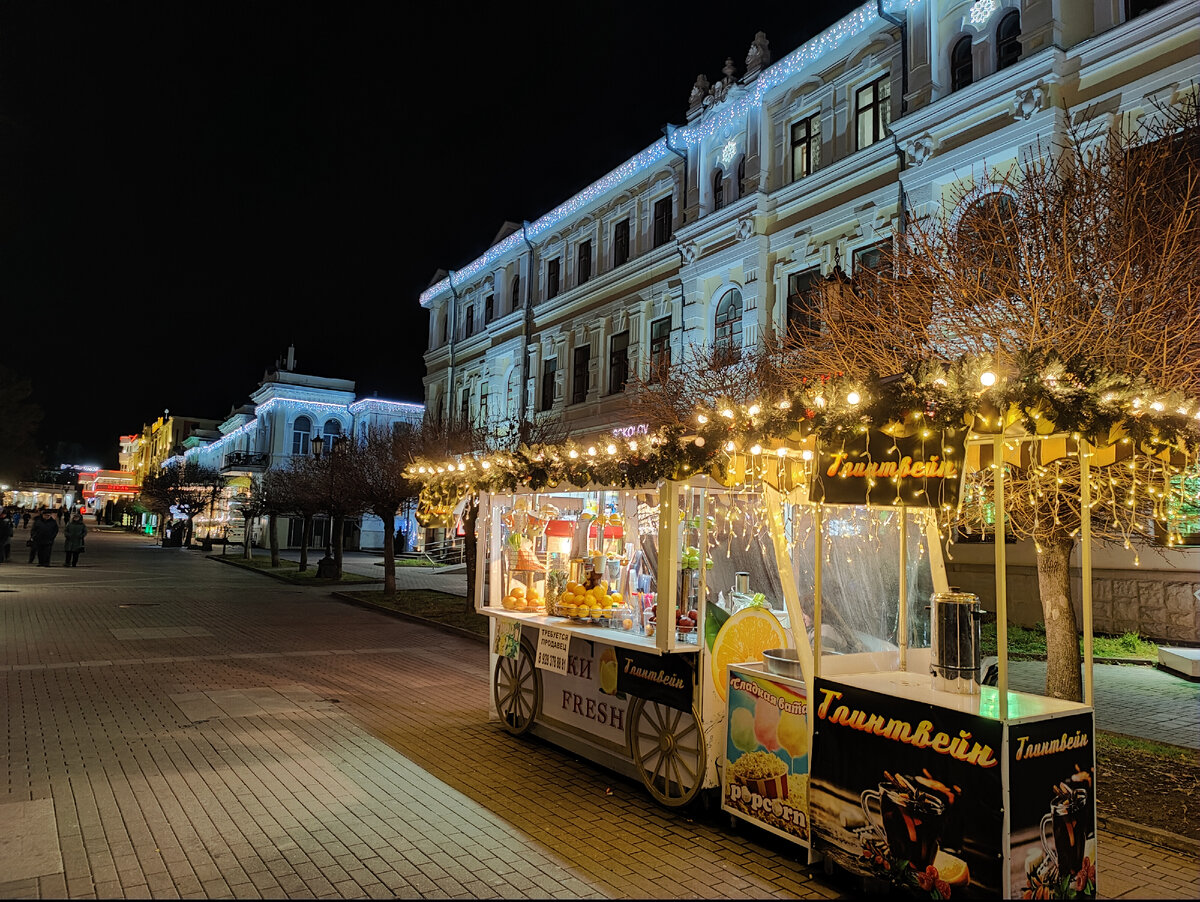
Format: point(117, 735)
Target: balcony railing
point(245, 460)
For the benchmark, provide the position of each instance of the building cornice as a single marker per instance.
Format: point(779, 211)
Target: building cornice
point(811, 53)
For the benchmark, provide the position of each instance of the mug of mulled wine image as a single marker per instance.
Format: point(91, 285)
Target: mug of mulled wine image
point(1064, 828)
point(909, 817)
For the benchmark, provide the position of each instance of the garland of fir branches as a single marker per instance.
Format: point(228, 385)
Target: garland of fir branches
point(1074, 396)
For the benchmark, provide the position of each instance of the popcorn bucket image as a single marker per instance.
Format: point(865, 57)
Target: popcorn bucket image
point(775, 787)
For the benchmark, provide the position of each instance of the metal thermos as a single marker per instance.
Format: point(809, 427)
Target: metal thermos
point(954, 656)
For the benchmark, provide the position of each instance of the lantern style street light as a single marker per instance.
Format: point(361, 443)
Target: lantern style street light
point(327, 566)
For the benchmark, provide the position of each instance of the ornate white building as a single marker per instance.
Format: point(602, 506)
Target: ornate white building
point(288, 410)
point(783, 170)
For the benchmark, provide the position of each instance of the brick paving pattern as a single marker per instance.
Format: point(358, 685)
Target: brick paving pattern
point(203, 732)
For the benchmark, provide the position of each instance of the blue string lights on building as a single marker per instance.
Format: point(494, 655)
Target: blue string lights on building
point(733, 114)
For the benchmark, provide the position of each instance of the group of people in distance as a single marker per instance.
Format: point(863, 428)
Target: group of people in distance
point(43, 526)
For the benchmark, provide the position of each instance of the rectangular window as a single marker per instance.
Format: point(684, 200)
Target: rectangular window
point(869, 257)
point(662, 221)
point(621, 242)
point(579, 374)
point(552, 278)
point(483, 404)
point(873, 111)
point(549, 372)
point(469, 321)
point(806, 147)
point(802, 307)
point(466, 407)
point(618, 362)
point(660, 348)
point(585, 261)
point(489, 308)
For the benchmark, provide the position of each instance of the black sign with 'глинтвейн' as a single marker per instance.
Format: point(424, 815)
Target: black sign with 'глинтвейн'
point(662, 678)
point(922, 470)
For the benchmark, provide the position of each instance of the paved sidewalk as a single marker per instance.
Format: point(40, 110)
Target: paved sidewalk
point(176, 728)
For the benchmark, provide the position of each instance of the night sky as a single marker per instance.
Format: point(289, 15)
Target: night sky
point(187, 189)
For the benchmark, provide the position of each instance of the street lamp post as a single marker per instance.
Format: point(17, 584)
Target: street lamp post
point(327, 567)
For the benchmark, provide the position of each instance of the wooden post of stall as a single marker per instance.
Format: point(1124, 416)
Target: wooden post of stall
point(817, 512)
point(1001, 581)
point(902, 626)
point(668, 565)
point(1085, 561)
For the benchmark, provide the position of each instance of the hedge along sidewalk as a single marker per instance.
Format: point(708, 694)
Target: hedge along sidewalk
point(287, 571)
point(440, 610)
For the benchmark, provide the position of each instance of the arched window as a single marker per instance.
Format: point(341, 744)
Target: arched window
point(960, 64)
point(727, 325)
point(718, 190)
point(331, 430)
point(741, 177)
point(516, 292)
point(987, 232)
point(301, 432)
point(1008, 40)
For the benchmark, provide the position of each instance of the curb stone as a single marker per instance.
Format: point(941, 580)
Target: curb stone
point(1152, 835)
point(404, 615)
point(224, 559)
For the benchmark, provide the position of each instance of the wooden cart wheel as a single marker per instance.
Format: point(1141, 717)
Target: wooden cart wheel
point(668, 748)
point(518, 691)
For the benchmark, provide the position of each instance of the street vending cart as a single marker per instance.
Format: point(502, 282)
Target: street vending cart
point(779, 630)
point(787, 638)
point(605, 621)
point(921, 779)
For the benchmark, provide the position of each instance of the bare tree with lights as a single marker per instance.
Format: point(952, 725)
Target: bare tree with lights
point(380, 465)
point(1074, 277)
point(189, 488)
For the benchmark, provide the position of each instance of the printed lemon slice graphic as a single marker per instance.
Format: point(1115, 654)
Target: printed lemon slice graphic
point(744, 637)
point(608, 677)
point(608, 672)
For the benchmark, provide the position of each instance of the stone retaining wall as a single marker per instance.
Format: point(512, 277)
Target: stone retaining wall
point(1159, 604)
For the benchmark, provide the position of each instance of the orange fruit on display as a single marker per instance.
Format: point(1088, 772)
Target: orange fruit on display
point(743, 638)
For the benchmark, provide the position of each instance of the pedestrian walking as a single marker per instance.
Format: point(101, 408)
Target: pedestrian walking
point(26, 518)
point(99, 515)
point(41, 538)
point(6, 534)
point(73, 535)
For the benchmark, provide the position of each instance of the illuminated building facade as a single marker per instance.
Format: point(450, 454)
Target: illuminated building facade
point(287, 410)
point(783, 171)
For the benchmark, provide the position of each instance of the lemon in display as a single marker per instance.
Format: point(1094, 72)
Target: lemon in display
point(743, 638)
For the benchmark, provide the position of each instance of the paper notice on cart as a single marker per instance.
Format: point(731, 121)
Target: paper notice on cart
point(552, 650)
point(508, 638)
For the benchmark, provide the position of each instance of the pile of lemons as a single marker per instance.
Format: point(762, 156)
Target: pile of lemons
point(524, 600)
point(595, 603)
